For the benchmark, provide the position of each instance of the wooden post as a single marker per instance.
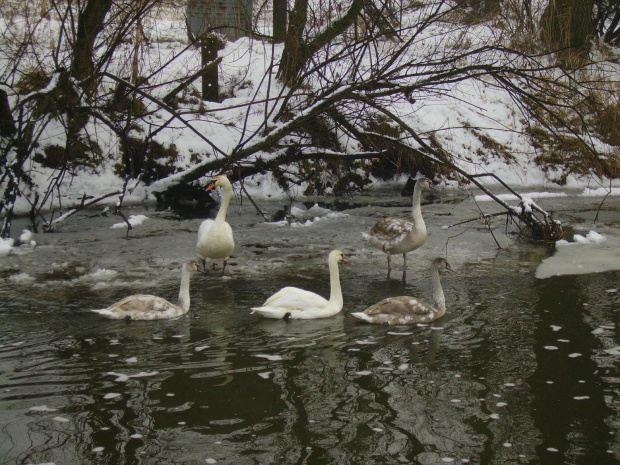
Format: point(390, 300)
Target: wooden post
point(279, 20)
point(210, 88)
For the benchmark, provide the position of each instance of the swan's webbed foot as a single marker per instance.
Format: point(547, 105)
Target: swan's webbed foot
point(287, 317)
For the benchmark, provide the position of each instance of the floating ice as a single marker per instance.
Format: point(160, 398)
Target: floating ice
point(6, 245)
point(136, 436)
point(614, 351)
point(200, 348)
point(592, 253)
point(123, 378)
point(581, 397)
point(21, 278)
point(363, 373)
point(98, 449)
point(551, 347)
point(511, 197)
point(112, 395)
point(61, 419)
point(556, 328)
point(501, 404)
point(575, 355)
point(271, 358)
point(42, 408)
point(494, 416)
point(265, 374)
point(134, 220)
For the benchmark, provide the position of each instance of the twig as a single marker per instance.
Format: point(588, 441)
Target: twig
point(252, 201)
point(598, 210)
point(83, 205)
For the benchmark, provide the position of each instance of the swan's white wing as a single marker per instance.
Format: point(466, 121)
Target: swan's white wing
point(204, 229)
point(293, 298)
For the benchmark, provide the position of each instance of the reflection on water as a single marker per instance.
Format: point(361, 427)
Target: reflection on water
point(521, 370)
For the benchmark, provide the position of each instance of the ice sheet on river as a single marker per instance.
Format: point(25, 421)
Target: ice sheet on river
point(592, 253)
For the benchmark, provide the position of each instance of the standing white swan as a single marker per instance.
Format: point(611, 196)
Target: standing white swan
point(395, 235)
point(406, 310)
point(292, 302)
point(150, 307)
point(215, 237)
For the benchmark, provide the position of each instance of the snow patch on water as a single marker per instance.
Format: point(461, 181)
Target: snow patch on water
point(6, 245)
point(134, 220)
point(592, 253)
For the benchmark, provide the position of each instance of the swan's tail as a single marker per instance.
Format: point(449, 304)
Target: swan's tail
point(269, 312)
point(104, 312)
point(362, 316)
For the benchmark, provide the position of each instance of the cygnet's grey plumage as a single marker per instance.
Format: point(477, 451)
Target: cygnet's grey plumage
point(405, 310)
point(396, 235)
point(151, 307)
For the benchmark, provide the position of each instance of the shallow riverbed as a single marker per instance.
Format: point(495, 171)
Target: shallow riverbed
point(521, 370)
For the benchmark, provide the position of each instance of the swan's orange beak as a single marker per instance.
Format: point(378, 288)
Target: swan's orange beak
point(211, 185)
point(344, 260)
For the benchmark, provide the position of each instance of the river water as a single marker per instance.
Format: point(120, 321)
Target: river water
point(523, 369)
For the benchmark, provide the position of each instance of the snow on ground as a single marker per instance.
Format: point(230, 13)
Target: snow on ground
point(451, 114)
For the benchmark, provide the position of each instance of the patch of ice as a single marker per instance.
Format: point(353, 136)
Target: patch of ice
point(21, 278)
point(42, 408)
point(265, 374)
point(592, 253)
point(551, 347)
point(61, 419)
point(363, 373)
point(6, 245)
point(132, 360)
point(271, 358)
point(134, 220)
point(556, 328)
point(613, 351)
point(112, 395)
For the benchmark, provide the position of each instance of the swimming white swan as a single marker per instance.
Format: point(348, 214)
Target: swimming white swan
point(395, 235)
point(215, 237)
point(150, 307)
point(406, 310)
point(292, 302)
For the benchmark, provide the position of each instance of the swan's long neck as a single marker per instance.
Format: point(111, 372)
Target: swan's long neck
point(335, 295)
point(416, 209)
point(221, 214)
point(438, 296)
point(184, 291)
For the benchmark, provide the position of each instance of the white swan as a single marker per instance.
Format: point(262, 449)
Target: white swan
point(150, 307)
point(215, 237)
point(406, 310)
point(395, 235)
point(292, 302)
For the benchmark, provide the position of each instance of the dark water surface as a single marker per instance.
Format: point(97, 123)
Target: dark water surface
point(521, 370)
